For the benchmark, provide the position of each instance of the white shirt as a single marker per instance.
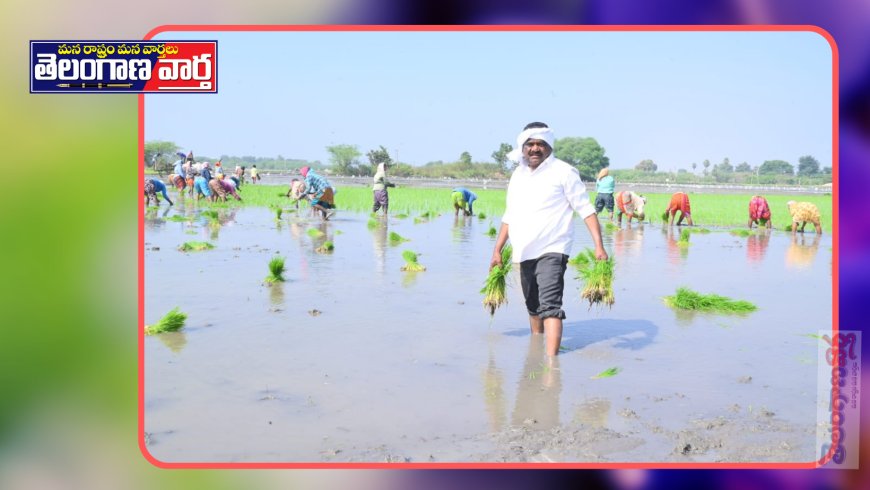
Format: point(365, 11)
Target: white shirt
point(540, 206)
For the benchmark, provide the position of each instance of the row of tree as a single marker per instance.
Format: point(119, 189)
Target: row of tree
point(808, 166)
point(583, 153)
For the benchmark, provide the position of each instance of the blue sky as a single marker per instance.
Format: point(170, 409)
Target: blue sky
point(673, 97)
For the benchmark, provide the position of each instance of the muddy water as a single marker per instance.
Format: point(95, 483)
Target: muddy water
point(352, 359)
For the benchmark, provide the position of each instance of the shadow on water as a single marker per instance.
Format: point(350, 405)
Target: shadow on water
point(631, 334)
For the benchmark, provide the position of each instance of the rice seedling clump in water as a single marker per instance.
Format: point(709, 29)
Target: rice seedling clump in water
point(597, 277)
point(741, 232)
point(481, 216)
point(686, 299)
point(684, 238)
point(411, 263)
point(396, 238)
point(171, 322)
point(495, 288)
point(314, 233)
point(195, 246)
point(327, 247)
point(276, 270)
point(492, 232)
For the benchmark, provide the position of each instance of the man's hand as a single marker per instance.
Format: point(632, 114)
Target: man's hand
point(496, 260)
point(600, 254)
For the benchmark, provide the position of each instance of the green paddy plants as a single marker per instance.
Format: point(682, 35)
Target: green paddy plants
point(685, 234)
point(195, 246)
point(276, 270)
point(481, 216)
point(665, 217)
point(278, 212)
point(327, 247)
point(171, 322)
point(495, 287)
point(742, 232)
point(607, 373)
point(610, 227)
point(395, 238)
point(400, 216)
point(177, 218)
point(492, 232)
point(314, 233)
point(373, 223)
point(788, 227)
point(597, 277)
point(411, 264)
point(686, 299)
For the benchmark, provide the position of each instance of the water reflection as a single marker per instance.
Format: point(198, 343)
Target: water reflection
point(379, 245)
point(462, 228)
point(538, 389)
point(276, 293)
point(493, 394)
point(174, 340)
point(802, 252)
point(676, 252)
point(756, 245)
point(628, 241)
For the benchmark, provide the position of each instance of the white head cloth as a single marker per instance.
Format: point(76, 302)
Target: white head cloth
point(545, 134)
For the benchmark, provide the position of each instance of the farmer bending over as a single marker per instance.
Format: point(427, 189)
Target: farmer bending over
point(679, 202)
point(759, 212)
point(320, 192)
point(152, 187)
point(463, 199)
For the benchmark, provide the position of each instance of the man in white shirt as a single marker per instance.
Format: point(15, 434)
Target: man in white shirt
point(542, 197)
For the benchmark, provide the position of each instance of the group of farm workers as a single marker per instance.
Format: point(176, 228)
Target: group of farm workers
point(197, 178)
point(543, 195)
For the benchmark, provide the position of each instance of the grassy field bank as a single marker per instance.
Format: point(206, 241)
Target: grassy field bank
point(707, 209)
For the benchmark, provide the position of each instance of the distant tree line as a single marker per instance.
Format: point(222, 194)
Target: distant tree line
point(584, 153)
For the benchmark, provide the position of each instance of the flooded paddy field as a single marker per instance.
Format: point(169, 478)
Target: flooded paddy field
point(353, 360)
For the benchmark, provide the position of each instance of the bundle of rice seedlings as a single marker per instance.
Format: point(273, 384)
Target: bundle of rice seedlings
point(276, 270)
point(400, 216)
point(373, 223)
point(606, 373)
point(762, 221)
point(684, 237)
point(700, 230)
point(481, 216)
point(418, 220)
point(314, 233)
point(177, 218)
point(597, 276)
point(278, 212)
point(492, 232)
point(396, 238)
point(686, 299)
point(171, 322)
point(211, 215)
point(195, 246)
point(327, 247)
point(495, 286)
point(787, 227)
point(610, 227)
point(742, 232)
point(411, 263)
point(665, 216)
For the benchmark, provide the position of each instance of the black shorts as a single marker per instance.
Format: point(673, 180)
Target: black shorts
point(603, 200)
point(543, 280)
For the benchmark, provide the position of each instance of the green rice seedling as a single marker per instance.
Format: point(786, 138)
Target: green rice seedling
point(686, 299)
point(607, 373)
point(177, 218)
point(211, 215)
point(481, 216)
point(373, 223)
point(581, 259)
point(610, 227)
point(742, 232)
point(276, 270)
point(195, 246)
point(396, 238)
point(762, 221)
point(787, 227)
point(495, 287)
point(701, 230)
point(327, 247)
point(665, 216)
point(152, 208)
point(278, 212)
point(411, 263)
point(685, 234)
point(190, 232)
point(492, 232)
point(400, 216)
point(314, 233)
point(597, 277)
point(171, 322)
point(417, 221)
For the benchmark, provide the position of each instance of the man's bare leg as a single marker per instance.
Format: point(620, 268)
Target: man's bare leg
point(553, 329)
point(536, 324)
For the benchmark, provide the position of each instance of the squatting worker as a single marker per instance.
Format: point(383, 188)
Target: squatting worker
point(542, 197)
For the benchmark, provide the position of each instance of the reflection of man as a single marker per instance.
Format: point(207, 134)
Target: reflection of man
point(538, 389)
point(542, 197)
point(801, 255)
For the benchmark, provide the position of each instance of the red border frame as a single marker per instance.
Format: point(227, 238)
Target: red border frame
point(492, 28)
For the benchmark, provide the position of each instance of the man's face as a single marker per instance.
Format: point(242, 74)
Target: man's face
point(536, 151)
